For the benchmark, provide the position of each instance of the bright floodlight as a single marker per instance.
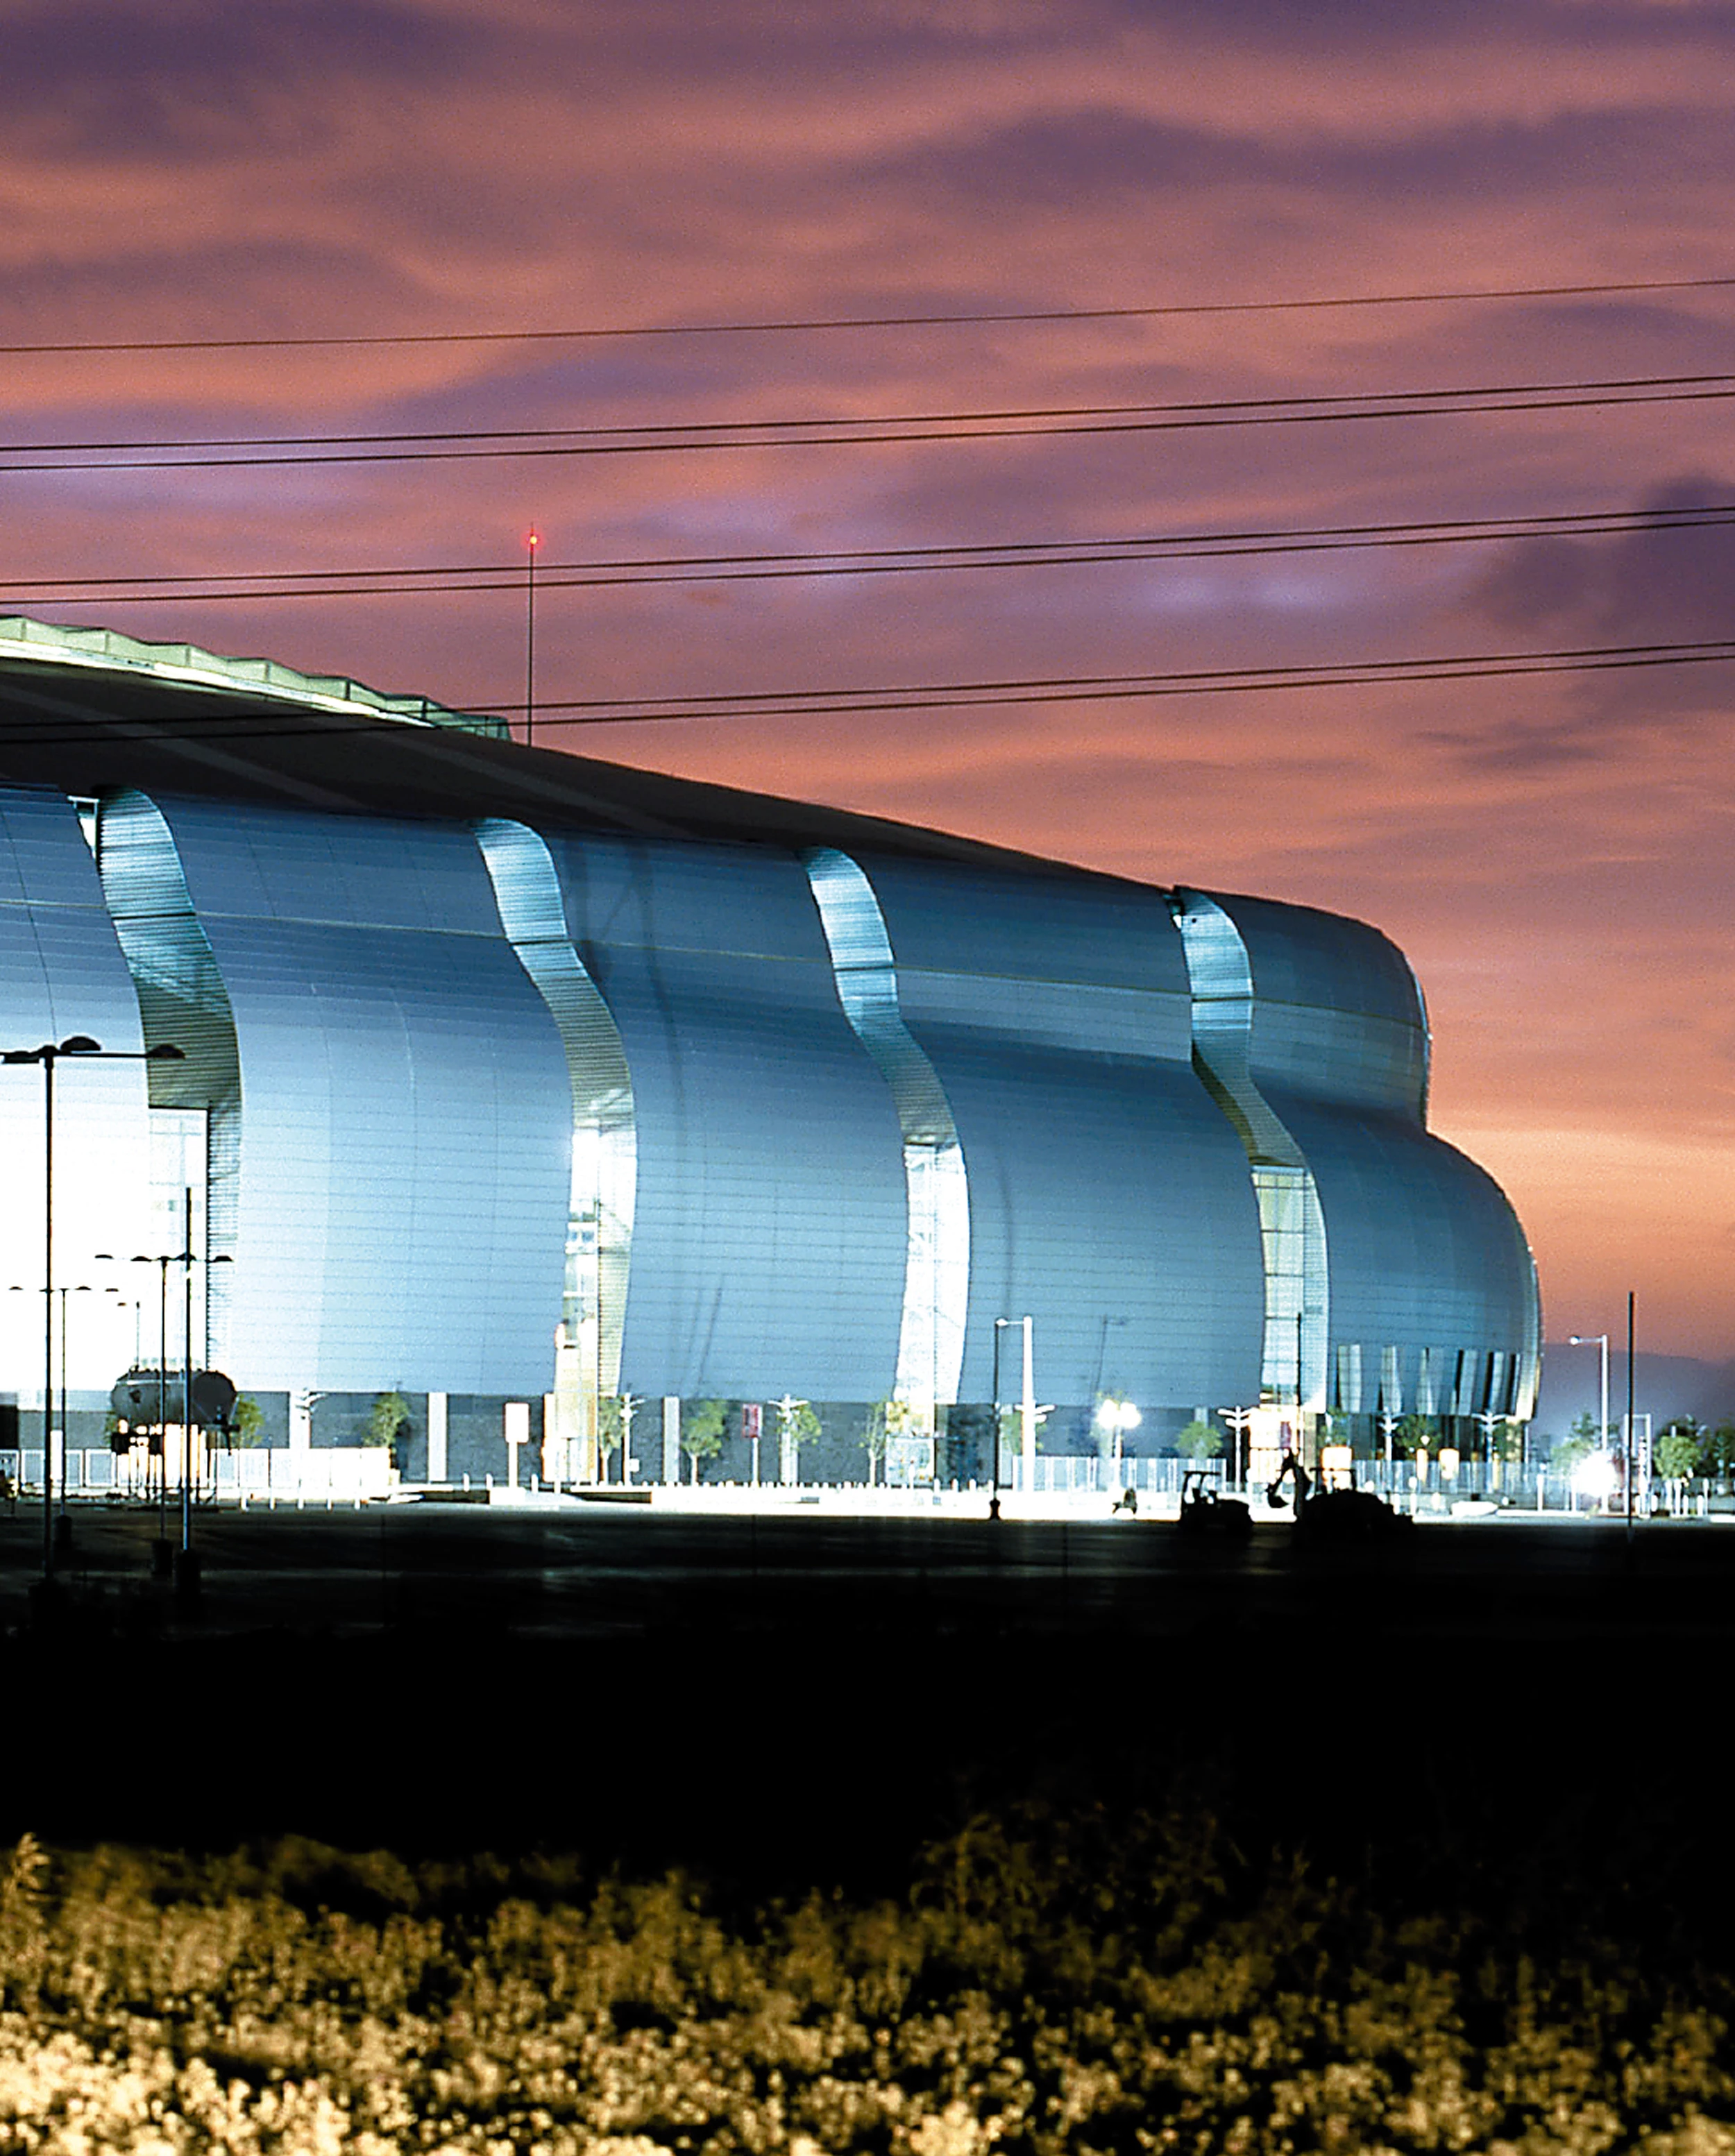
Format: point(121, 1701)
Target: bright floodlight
point(1118, 1415)
point(1596, 1475)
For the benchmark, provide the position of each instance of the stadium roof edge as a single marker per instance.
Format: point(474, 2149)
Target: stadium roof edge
point(190, 666)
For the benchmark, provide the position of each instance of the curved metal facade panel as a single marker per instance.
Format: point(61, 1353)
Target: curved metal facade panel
point(1431, 1277)
point(937, 1267)
point(1337, 1005)
point(1109, 1199)
point(1293, 1363)
point(769, 1233)
point(182, 1000)
point(1426, 1256)
point(605, 1135)
point(62, 972)
point(406, 1116)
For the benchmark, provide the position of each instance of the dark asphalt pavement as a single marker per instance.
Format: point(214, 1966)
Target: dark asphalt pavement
point(804, 1698)
point(594, 1572)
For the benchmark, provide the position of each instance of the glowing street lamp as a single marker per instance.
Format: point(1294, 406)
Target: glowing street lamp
point(1114, 1418)
point(1599, 1340)
point(81, 1046)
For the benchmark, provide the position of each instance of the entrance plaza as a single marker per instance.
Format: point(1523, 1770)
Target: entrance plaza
point(1066, 1488)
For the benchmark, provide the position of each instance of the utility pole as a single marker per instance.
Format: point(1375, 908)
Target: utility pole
point(532, 540)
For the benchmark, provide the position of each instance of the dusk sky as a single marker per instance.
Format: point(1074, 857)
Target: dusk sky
point(1552, 850)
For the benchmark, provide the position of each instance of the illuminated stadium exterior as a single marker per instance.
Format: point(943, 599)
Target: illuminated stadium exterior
point(514, 1076)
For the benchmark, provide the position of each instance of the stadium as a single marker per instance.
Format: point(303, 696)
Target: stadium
point(517, 1084)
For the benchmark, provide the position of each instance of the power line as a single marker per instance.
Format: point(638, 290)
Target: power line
point(963, 318)
point(928, 696)
point(416, 579)
point(1107, 687)
point(687, 437)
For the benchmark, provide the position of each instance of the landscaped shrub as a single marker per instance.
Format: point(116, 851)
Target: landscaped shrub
point(1043, 1986)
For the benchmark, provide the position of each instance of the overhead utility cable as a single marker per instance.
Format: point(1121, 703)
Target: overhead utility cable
point(203, 724)
point(972, 695)
point(219, 453)
point(963, 318)
point(414, 580)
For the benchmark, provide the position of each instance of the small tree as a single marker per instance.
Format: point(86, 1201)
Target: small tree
point(701, 1431)
point(614, 1423)
point(884, 1418)
point(1578, 1446)
point(798, 1424)
point(387, 1419)
point(1509, 1439)
point(247, 1421)
point(1680, 1450)
point(1199, 1441)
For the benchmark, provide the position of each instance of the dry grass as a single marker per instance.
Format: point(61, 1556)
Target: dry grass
point(1040, 1988)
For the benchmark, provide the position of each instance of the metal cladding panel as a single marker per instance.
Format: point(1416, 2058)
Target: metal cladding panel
point(1085, 932)
point(1425, 1251)
point(1336, 1007)
point(62, 972)
point(769, 1228)
point(406, 1119)
point(1109, 1199)
point(1301, 955)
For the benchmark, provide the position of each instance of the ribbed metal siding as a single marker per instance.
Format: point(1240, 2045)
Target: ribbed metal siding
point(1426, 1256)
point(1293, 1366)
point(605, 1137)
point(936, 1265)
point(183, 1001)
point(62, 972)
point(768, 1233)
point(1426, 1252)
point(406, 1118)
point(1338, 1006)
point(1109, 1199)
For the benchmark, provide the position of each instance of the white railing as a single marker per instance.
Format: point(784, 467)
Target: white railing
point(338, 1474)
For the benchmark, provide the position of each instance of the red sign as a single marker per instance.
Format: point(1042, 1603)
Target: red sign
point(752, 1414)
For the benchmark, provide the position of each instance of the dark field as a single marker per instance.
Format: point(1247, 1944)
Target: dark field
point(1060, 1838)
point(806, 1700)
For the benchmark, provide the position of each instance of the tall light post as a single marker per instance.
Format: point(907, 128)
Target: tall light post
point(163, 1262)
point(1239, 1421)
point(1115, 1417)
point(82, 1047)
point(1599, 1340)
point(186, 1566)
point(62, 1530)
point(994, 1502)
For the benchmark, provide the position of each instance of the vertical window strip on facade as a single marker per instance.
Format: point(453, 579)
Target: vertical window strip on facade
point(181, 999)
point(604, 1172)
point(1292, 1224)
point(931, 1336)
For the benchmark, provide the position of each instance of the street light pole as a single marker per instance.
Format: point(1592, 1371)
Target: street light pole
point(1632, 1422)
point(48, 1055)
point(187, 1382)
point(1599, 1340)
point(994, 1503)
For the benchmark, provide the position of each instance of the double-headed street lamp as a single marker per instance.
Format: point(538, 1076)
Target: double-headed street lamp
point(162, 1260)
point(65, 1293)
point(81, 1046)
point(1114, 1418)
